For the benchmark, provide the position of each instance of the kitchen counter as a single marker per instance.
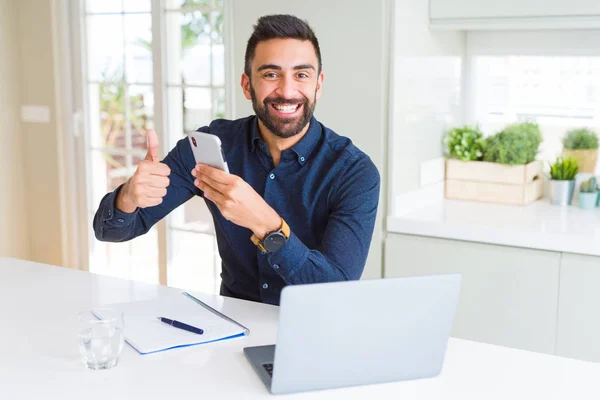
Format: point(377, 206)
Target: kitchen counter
point(539, 225)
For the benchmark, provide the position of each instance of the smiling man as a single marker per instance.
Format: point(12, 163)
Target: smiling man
point(300, 201)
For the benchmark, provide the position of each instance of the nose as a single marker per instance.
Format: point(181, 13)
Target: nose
point(287, 88)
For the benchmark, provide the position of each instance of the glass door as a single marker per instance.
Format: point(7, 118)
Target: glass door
point(119, 90)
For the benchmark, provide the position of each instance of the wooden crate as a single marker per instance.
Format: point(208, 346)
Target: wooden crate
point(494, 183)
point(587, 159)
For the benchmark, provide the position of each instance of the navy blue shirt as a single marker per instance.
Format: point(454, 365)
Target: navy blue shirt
point(324, 187)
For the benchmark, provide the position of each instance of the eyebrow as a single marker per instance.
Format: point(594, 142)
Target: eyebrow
point(278, 68)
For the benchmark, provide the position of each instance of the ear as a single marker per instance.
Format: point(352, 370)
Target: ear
point(319, 85)
point(245, 83)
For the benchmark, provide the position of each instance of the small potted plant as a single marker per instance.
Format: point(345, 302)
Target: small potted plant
point(501, 168)
point(562, 183)
point(582, 145)
point(517, 144)
point(464, 143)
point(588, 194)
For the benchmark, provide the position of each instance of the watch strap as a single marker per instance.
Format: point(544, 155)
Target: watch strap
point(257, 242)
point(285, 230)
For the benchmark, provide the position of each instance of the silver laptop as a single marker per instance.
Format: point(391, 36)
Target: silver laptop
point(359, 332)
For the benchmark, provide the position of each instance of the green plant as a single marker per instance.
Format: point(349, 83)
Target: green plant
point(580, 139)
point(516, 144)
point(112, 105)
point(532, 131)
point(564, 169)
point(464, 143)
point(588, 186)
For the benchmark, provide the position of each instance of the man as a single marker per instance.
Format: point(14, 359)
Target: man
point(299, 203)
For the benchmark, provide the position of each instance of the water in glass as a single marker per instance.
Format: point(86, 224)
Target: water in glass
point(101, 340)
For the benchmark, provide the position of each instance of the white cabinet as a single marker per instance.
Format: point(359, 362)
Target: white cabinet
point(527, 14)
point(508, 297)
point(442, 9)
point(578, 334)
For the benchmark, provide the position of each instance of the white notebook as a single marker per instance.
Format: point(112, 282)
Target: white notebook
point(146, 334)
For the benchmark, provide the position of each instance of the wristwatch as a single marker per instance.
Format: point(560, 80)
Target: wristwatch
point(273, 241)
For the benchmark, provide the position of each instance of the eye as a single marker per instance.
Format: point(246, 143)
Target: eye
point(303, 75)
point(270, 75)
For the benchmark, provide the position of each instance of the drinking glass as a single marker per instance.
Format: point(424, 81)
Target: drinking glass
point(101, 338)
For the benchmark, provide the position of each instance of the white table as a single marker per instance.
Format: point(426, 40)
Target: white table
point(39, 357)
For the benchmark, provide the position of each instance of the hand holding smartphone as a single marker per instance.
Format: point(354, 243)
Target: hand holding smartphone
point(207, 150)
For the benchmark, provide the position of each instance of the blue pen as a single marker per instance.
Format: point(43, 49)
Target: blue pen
point(181, 325)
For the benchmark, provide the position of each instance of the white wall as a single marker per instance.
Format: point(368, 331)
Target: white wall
point(41, 141)
point(353, 36)
point(13, 219)
point(426, 97)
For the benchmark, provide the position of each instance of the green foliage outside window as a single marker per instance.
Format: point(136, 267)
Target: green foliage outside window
point(197, 23)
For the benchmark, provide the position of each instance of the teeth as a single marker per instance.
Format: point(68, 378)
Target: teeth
point(286, 108)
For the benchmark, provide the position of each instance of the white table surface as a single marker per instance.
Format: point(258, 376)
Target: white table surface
point(539, 225)
point(39, 356)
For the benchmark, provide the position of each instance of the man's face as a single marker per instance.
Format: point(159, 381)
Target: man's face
point(284, 86)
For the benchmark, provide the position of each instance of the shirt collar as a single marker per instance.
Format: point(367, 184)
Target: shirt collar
point(302, 149)
point(254, 135)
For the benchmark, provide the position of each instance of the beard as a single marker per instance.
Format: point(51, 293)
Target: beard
point(283, 127)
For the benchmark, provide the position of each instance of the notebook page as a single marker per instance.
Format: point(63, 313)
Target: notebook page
point(144, 332)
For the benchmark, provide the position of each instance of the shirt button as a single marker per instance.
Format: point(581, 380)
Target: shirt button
point(265, 285)
point(272, 176)
point(302, 159)
point(121, 220)
point(276, 266)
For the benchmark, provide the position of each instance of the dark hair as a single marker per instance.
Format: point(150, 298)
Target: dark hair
point(279, 27)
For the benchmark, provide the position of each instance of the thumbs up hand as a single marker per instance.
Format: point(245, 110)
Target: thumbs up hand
point(153, 146)
point(148, 185)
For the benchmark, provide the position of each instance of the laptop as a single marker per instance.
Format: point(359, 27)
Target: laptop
point(358, 332)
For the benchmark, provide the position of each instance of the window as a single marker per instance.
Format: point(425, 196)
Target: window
point(555, 83)
point(122, 93)
point(195, 85)
point(120, 109)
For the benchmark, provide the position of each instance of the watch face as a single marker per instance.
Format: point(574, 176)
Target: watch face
point(274, 241)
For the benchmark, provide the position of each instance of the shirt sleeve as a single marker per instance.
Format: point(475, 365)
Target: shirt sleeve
point(343, 251)
point(112, 225)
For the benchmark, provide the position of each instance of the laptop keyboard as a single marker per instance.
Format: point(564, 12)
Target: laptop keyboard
point(269, 368)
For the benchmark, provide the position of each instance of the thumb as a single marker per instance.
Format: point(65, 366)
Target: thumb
point(153, 146)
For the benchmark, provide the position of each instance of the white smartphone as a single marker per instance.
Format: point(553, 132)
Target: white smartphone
point(207, 150)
